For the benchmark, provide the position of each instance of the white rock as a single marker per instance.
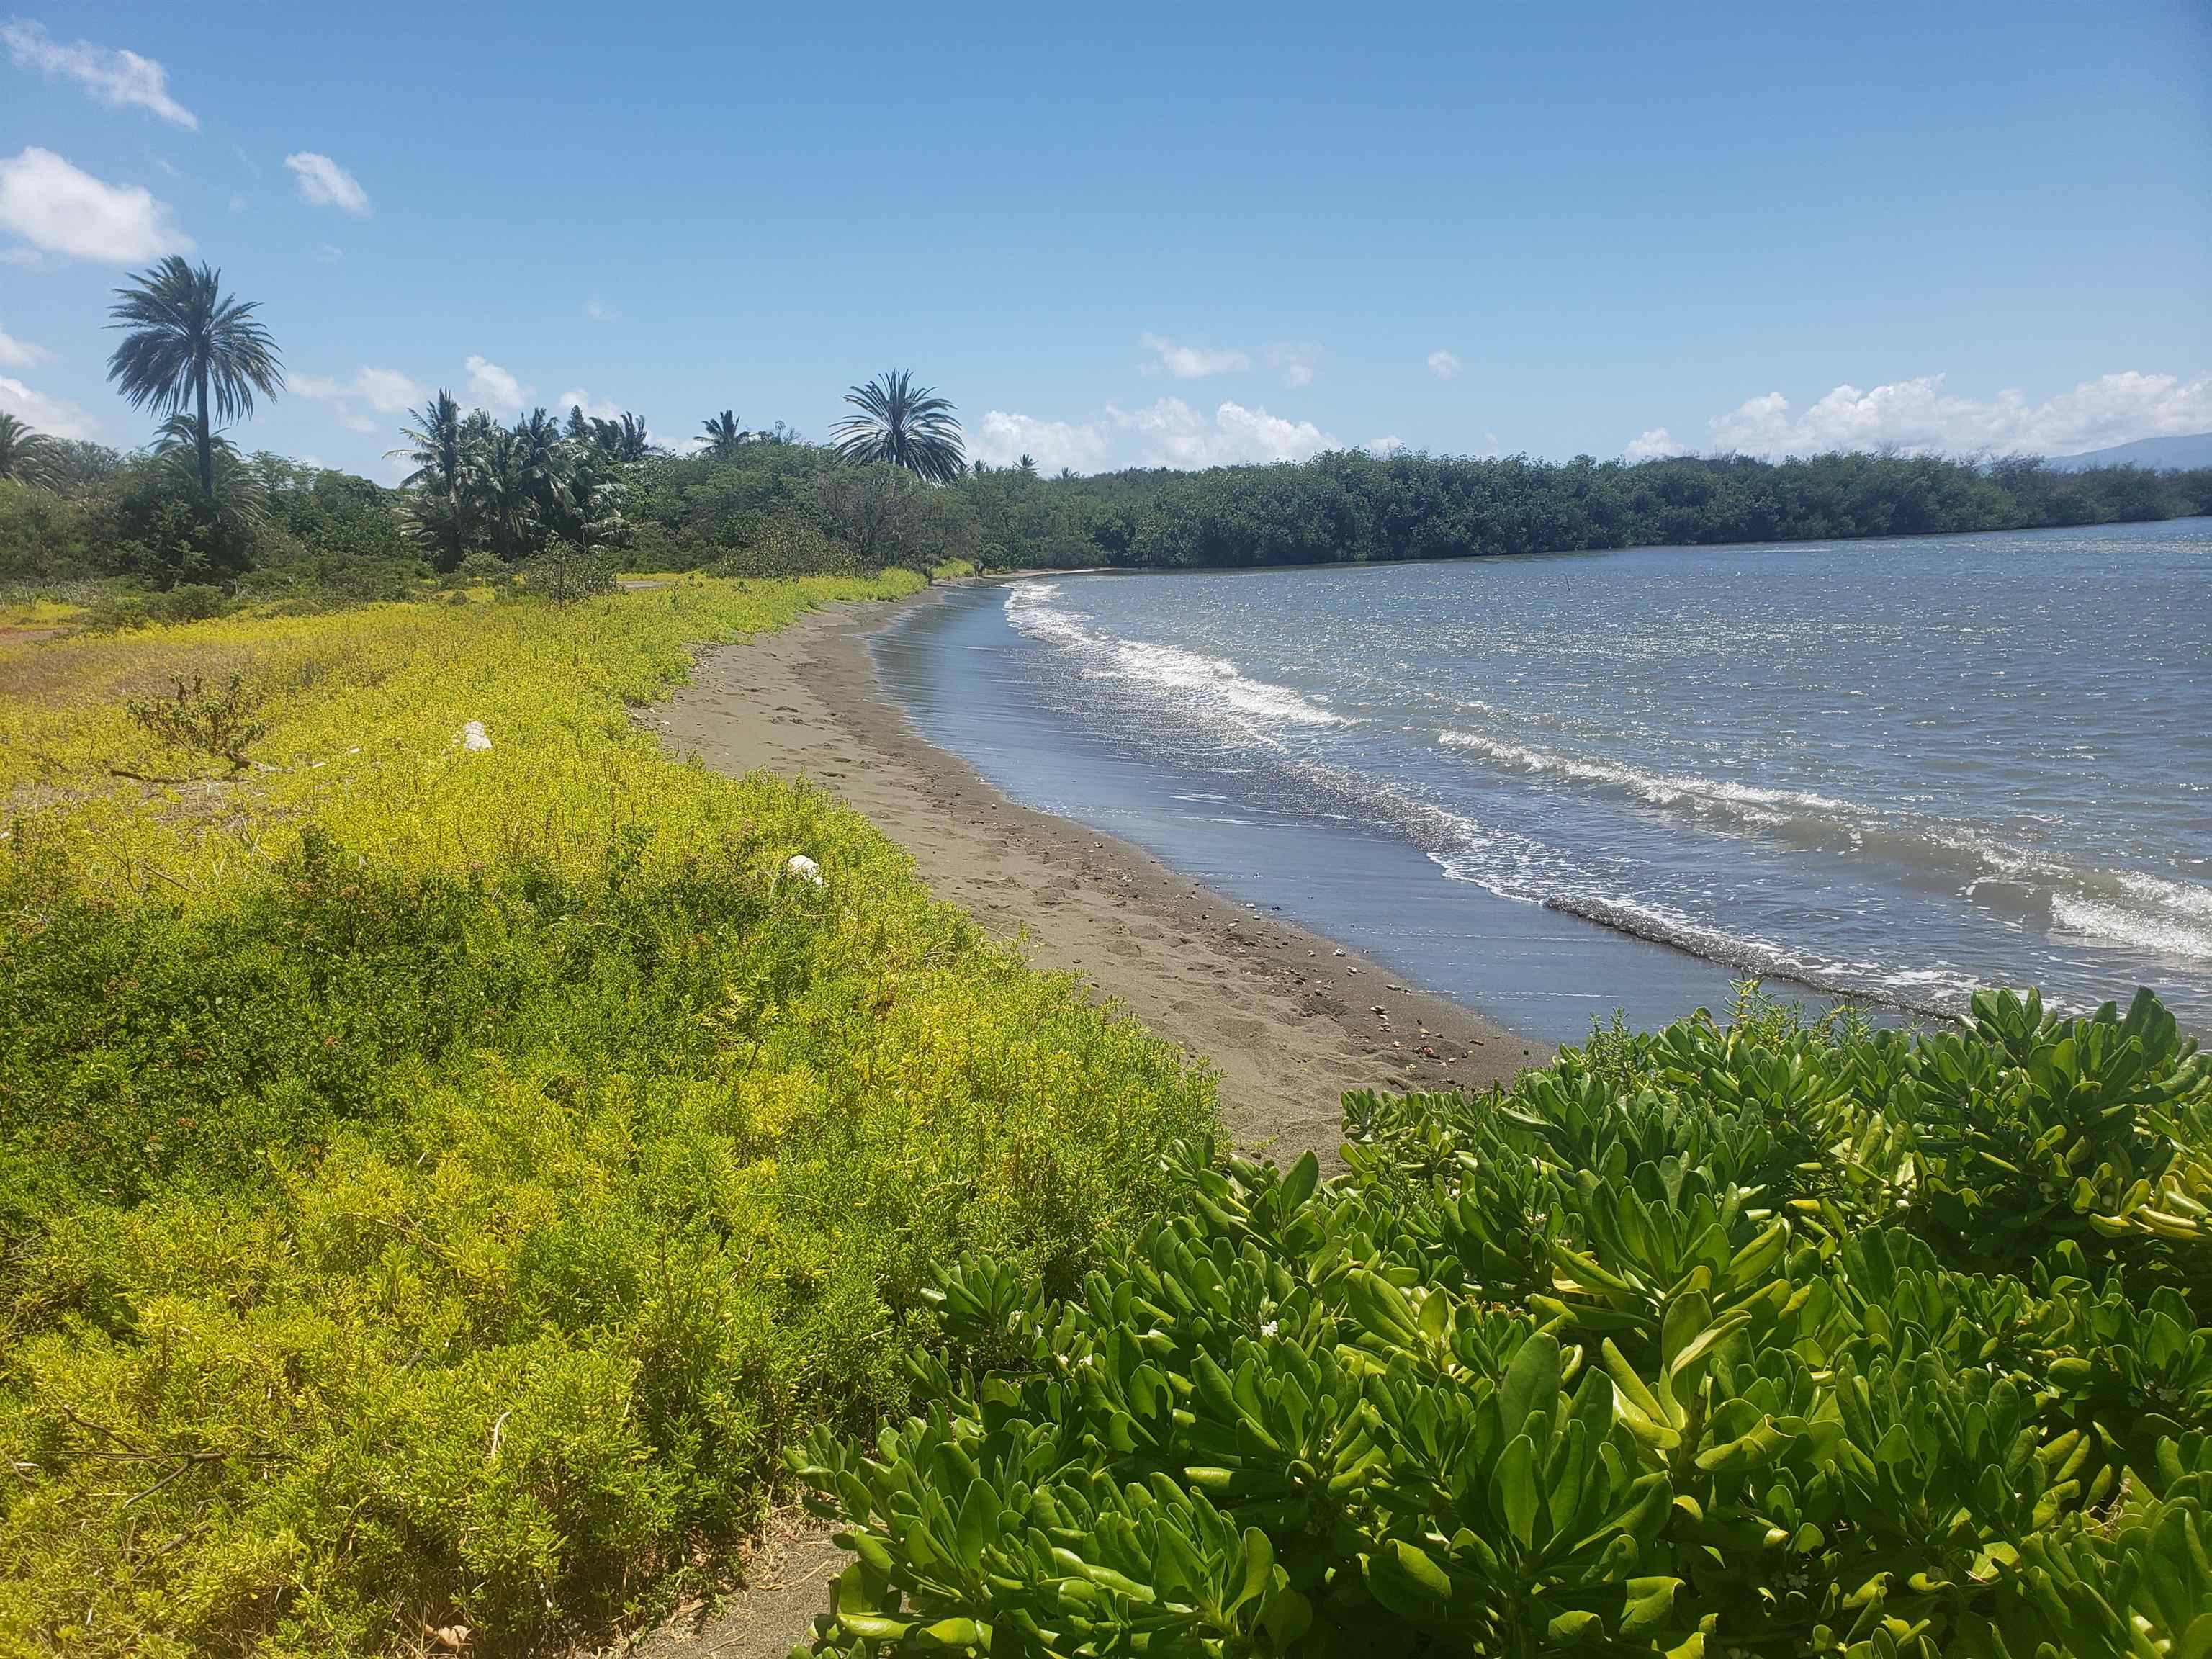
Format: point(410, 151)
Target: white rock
point(805, 869)
point(474, 737)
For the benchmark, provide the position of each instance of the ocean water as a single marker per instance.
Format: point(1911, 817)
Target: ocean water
point(1553, 787)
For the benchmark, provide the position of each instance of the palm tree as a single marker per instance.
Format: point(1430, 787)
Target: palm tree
point(189, 344)
point(623, 440)
point(234, 494)
point(903, 424)
point(503, 492)
point(438, 510)
point(27, 457)
point(545, 464)
point(723, 435)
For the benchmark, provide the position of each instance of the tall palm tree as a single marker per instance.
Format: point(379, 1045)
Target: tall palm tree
point(723, 435)
point(503, 491)
point(27, 457)
point(544, 464)
point(189, 346)
point(438, 507)
point(904, 424)
point(623, 440)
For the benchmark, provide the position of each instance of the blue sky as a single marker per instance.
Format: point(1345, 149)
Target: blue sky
point(1180, 234)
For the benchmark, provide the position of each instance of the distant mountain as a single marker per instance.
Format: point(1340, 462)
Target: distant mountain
point(2195, 450)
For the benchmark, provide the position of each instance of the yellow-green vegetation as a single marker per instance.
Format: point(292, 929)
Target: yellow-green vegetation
point(439, 1183)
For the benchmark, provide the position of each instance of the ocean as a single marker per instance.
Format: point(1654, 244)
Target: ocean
point(1554, 787)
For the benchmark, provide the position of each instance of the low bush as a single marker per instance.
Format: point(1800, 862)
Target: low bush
point(1717, 1342)
point(436, 1185)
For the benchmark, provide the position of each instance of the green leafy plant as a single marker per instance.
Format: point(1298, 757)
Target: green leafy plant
point(1762, 1339)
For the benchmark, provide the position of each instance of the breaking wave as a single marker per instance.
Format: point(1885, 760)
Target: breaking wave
point(2124, 907)
point(1213, 685)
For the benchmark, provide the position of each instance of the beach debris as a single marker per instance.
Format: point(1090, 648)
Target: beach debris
point(1352, 970)
point(1336, 953)
point(450, 1638)
point(474, 738)
point(805, 869)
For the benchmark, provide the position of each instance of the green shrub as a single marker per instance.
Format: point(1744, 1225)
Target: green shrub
point(391, 1248)
point(1750, 1341)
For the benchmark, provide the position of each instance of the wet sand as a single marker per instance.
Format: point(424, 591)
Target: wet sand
point(1288, 1020)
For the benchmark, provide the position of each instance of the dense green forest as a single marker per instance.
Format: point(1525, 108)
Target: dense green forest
point(1352, 505)
point(775, 506)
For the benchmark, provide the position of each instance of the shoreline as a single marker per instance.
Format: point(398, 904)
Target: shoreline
point(1286, 1018)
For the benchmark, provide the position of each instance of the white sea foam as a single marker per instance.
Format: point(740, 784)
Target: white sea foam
point(1213, 685)
point(1660, 788)
point(2160, 934)
point(1603, 889)
point(2127, 908)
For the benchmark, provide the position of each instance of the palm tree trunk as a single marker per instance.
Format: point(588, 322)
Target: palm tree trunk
point(206, 439)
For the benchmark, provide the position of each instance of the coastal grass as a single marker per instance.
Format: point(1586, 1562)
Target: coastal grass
point(438, 1185)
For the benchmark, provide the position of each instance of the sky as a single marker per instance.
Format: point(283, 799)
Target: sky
point(1138, 235)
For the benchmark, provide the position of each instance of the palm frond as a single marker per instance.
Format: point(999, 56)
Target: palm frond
point(27, 457)
point(903, 425)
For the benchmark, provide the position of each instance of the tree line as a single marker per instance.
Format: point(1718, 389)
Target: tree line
point(1351, 506)
point(894, 487)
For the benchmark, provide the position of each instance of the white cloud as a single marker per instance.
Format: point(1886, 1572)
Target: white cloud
point(20, 354)
point(492, 387)
point(1386, 445)
point(1190, 363)
point(1172, 434)
point(55, 417)
point(327, 254)
point(1166, 433)
point(599, 311)
point(53, 206)
point(1003, 438)
point(120, 79)
point(1444, 364)
point(385, 390)
point(323, 182)
point(1655, 444)
point(237, 204)
point(1295, 360)
point(1917, 417)
point(596, 409)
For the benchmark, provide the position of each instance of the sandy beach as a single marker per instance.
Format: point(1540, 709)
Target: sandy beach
point(1288, 1020)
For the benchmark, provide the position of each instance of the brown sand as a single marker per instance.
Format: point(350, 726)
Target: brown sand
point(1287, 1018)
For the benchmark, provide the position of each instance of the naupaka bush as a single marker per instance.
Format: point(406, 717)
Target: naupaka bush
point(1717, 1341)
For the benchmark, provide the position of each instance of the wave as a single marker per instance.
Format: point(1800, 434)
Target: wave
point(1758, 804)
point(1605, 891)
point(2036, 892)
point(2129, 909)
point(2162, 934)
point(1211, 685)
